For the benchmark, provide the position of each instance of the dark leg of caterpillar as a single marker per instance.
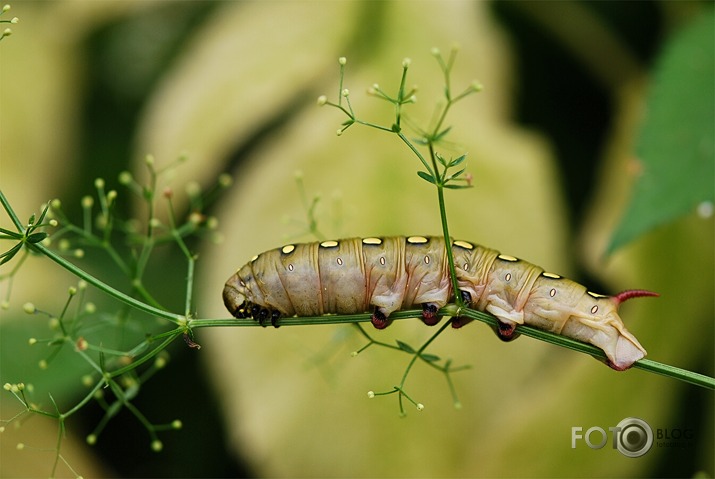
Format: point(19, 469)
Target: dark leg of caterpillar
point(275, 316)
point(506, 331)
point(429, 314)
point(379, 320)
point(242, 311)
point(262, 315)
point(460, 321)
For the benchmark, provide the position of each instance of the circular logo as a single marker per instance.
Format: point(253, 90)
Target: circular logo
point(635, 437)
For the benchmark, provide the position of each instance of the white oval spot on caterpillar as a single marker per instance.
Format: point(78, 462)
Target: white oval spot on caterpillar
point(417, 240)
point(552, 293)
point(594, 310)
point(382, 260)
point(254, 258)
point(371, 241)
point(427, 260)
point(550, 275)
point(465, 267)
point(506, 257)
point(339, 261)
point(596, 295)
point(290, 267)
point(463, 244)
point(287, 249)
point(507, 277)
point(329, 244)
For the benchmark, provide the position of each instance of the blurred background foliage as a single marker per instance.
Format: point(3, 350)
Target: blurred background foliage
point(87, 89)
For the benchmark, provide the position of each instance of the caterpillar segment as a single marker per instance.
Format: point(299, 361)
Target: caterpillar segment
point(384, 275)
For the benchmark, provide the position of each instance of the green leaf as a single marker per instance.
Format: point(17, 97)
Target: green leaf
point(676, 144)
point(9, 254)
point(430, 358)
point(405, 347)
point(454, 186)
point(458, 160)
point(442, 134)
point(37, 237)
point(427, 177)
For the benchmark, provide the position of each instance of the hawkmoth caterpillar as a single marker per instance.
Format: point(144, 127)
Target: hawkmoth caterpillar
point(383, 275)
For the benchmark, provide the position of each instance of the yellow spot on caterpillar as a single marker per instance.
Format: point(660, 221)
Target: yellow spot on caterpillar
point(552, 293)
point(339, 261)
point(463, 244)
point(417, 240)
point(254, 258)
point(371, 241)
point(594, 310)
point(329, 244)
point(596, 295)
point(550, 275)
point(506, 257)
point(507, 277)
point(287, 249)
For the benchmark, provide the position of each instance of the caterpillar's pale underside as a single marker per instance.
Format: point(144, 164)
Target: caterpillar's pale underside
point(383, 275)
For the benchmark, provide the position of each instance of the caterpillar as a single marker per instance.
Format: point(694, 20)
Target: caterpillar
point(383, 275)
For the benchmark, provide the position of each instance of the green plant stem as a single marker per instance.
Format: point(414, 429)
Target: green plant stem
point(115, 293)
point(453, 310)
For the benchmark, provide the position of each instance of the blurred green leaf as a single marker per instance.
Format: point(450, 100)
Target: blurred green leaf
point(676, 140)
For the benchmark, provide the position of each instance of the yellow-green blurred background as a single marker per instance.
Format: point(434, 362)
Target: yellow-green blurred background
point(88, 88)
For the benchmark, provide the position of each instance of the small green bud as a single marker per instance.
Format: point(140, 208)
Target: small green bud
point(87, 380)
point(91, 439)
point(406, 62)
point(177, 424)
point(156, 445)
point(42, 364)
point(435, 51)
point(32, 341)
point(193, 188)
point(125, 178)
point(20, 446)
point(345, 92)
point(99, 183)
point(87, 202)
point(90, 308)
point(225, 180)
point(111, 196)
point(29, 308)
point(149, 160)
point(54, 223)
point(370, 394)
point(56, 204)
point(72, 290)
point(78, 253)
point(420, 406)
point(5, 8)
point(322, 100)
point(342, 60)
point(477, 86)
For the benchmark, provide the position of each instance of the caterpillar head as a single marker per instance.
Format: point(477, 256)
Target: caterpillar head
point(621, 347)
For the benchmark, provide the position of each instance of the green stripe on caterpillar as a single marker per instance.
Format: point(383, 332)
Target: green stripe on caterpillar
point(383, 275)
